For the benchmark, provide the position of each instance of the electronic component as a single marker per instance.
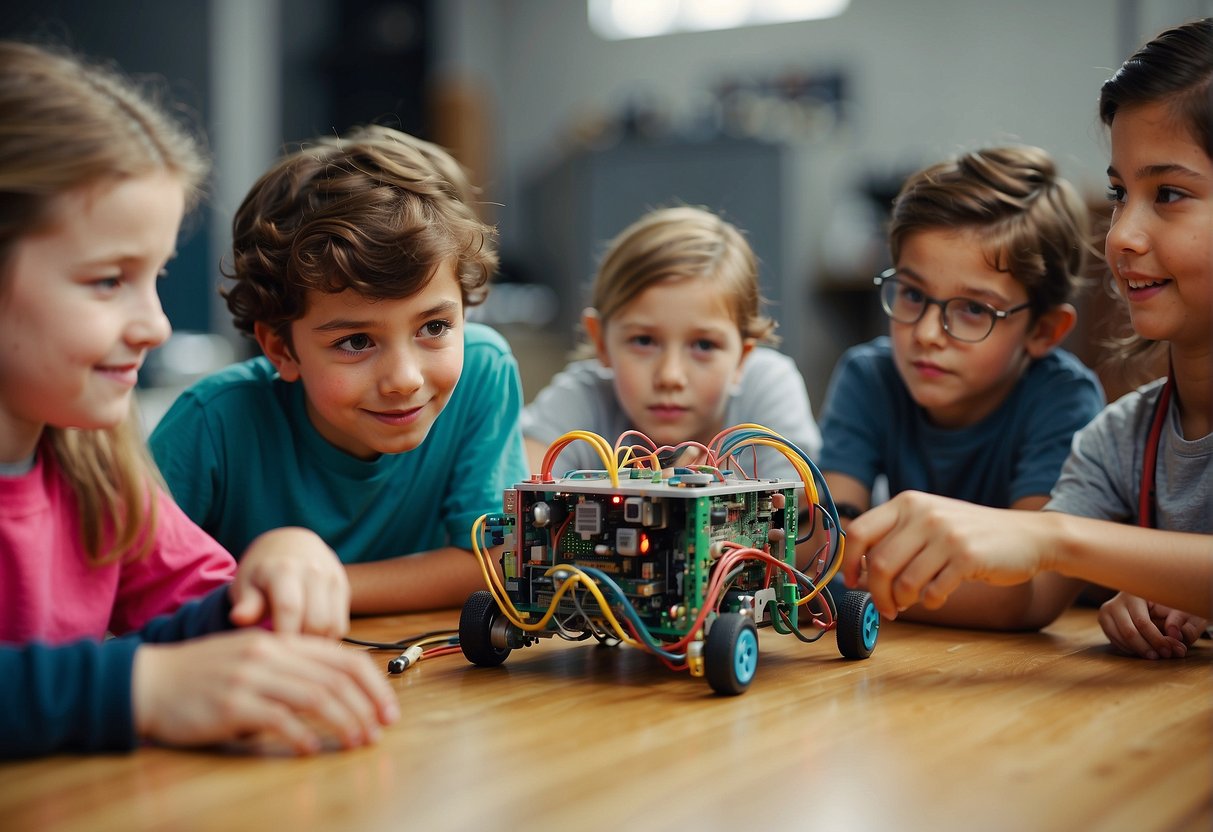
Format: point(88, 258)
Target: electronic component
point(683, 563)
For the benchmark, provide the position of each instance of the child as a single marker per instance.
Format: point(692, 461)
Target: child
point(969, 396)
point(1147, 458)
point(94, 180)
point(675, 326)
point(354, 262)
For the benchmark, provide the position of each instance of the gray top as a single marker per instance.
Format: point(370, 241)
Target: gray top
point(771, 393)
point(1102, 476)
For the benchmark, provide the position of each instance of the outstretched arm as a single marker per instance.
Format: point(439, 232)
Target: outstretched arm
point(919, 548)
point(1027, 606)
point(438, 579)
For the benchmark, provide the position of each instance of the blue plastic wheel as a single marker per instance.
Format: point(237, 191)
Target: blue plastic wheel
point(871, 626)
point(745, 656)
point(730, 653)
point(858, 625)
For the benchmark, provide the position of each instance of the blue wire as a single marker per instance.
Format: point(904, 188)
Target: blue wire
point(630, 612)
point(823, 491)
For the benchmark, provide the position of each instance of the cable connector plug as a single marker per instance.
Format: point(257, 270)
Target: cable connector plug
point(405, 660)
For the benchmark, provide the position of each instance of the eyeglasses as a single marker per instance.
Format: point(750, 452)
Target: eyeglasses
point(964, 319)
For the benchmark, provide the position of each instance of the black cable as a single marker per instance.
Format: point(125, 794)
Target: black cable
point(399, 645)
point(787, 622)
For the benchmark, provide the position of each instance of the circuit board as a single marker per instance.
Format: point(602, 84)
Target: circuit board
point(684, 563)
point(657, 541)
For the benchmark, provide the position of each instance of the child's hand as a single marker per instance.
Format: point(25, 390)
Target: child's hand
point(918, 548)
point(1153, 631)
point(297, 578)
point(296, 690)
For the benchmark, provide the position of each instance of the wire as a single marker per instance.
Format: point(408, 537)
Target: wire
point(597, 442)
point(616, 618)
point(404, 642)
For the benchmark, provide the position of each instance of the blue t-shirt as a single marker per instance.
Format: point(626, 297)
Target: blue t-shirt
point(241, 456)
point(871, 426)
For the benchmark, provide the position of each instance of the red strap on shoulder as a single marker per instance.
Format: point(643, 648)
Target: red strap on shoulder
point(1145, 500)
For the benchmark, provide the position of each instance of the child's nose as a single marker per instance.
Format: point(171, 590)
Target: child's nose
point(401, 372)
point(671, 371)
point(1127, 233)
point(149, 327)
point(929, 327)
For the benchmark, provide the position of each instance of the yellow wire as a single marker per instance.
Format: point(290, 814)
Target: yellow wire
point(497, 590)
point(806, 474)
point(612, 465)
point(599, 444)
point(830, 573)
point(491, 579)
point(629, 457)
point(810, 484)
point(581, 577)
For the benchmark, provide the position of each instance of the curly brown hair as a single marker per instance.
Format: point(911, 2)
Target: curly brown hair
point(377, 212)
point(1034, 224)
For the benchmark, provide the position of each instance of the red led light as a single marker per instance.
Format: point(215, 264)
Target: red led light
point(616, 499)
point(644, 544)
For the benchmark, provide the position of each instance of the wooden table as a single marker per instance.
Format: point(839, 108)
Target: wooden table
point(940, 729)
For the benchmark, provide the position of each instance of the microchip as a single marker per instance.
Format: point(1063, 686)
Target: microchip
point(627, 541)
point(588, 518)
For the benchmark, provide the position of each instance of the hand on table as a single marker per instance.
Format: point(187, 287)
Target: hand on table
point(1143, 628)
point(301, 691)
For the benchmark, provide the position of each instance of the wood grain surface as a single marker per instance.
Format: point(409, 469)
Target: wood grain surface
point(940, 729)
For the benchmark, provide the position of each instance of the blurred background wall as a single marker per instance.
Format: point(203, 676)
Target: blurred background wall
point(799, 133)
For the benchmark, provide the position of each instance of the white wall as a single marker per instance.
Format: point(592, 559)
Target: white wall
point(930, 76)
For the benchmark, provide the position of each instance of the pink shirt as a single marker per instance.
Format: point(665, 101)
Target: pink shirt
point(48, 590)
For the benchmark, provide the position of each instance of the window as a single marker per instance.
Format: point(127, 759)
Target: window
point(623, 19)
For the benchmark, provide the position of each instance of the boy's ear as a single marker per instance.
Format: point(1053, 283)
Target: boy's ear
point(1050, 329)
point(595, 330)
point(277, 351)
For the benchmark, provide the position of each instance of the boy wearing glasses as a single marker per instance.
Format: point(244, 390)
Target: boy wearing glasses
point(968, 396)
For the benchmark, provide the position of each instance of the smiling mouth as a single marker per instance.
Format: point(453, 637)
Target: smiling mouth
point(125, 373)
point(397, 416)
point(1146, 284)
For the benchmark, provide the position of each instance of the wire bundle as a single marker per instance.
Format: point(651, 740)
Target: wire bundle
point(618, 618)
point(414, 649)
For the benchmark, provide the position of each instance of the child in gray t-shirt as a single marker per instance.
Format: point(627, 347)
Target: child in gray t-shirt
point(675, 330)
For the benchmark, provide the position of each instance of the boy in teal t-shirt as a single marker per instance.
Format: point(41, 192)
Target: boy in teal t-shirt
point(377, 416)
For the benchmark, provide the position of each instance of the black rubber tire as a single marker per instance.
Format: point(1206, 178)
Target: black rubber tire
point(858, 624)
point(476, 630)
point(730, 653)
